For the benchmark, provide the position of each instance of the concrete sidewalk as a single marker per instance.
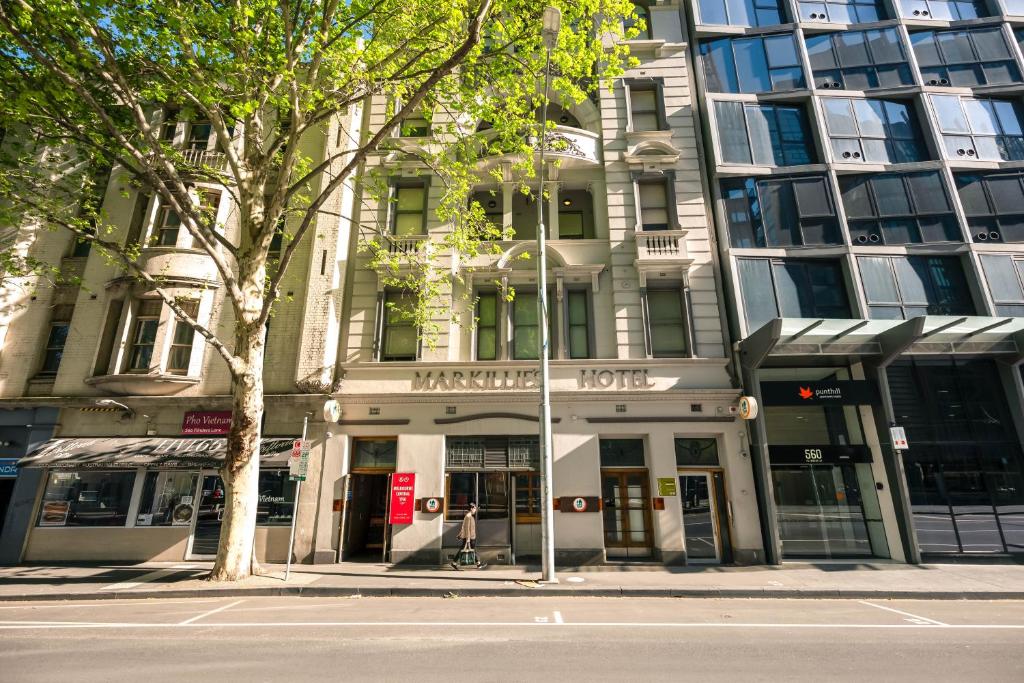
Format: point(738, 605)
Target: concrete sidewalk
point(862, 580)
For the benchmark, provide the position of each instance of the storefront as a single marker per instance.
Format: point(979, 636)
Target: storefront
point(619, 479)
point(158, 499)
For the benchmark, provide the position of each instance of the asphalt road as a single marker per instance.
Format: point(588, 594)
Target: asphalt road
point(510, 639)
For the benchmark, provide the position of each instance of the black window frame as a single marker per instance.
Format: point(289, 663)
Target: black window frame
point(838, 75)
point(652, 326)
point(947, 69)
point(807, 289)
point(911, 309)
point(495, 298)
point(752, 205)
point(715, 82)
point(864, 143)
point(394, 211)
point(994, 224)
point(392, 316)
point(571, 351)
point(56, 338)
point(879, 228)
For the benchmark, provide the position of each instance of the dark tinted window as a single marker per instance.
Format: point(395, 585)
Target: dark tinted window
point(965, 58)
point(842, 11)
point(763, 134)
point(874, 131)
point(906, 287)
point(752, 65)
point(897, 208)
point(622, 452)
point(740, 12)
point(774, 212)
point(792, 288)
point(858, 60)
point(994, 205)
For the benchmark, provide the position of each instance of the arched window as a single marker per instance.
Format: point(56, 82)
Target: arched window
point(642, 21)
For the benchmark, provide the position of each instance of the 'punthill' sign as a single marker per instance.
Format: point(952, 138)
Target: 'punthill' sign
point(828, 393)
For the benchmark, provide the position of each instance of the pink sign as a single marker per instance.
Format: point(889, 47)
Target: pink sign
point(403, 485)
point(206, 422)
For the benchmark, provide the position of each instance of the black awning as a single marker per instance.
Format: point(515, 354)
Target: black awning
point(109, 453)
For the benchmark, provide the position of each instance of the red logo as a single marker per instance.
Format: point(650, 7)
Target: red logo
point(806, 393)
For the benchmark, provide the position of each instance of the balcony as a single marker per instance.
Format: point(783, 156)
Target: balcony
point(178, 264)
point(205, 158)
point(399, 245)
point(660, 245)
point(573, 147)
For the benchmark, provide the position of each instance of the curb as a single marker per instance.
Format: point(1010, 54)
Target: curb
point(544, 591)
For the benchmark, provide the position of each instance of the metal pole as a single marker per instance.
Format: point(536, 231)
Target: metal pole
point(546, 450)
point(295, 508)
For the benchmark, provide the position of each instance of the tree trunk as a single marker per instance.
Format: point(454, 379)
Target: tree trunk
point(235, 554)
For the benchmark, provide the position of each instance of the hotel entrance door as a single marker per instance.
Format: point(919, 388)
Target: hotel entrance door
point(626, 503)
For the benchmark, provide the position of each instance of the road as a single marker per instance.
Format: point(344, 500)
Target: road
point(509, 639)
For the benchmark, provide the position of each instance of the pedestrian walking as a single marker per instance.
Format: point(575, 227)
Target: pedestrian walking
point(467, 534)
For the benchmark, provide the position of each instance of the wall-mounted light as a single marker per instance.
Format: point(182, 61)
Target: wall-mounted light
point(566, 202)
point(492, 204)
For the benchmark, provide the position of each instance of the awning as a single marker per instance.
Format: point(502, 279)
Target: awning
point(109, 453)
point(883, 340)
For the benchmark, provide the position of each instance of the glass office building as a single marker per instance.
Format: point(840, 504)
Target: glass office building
point(866, 164)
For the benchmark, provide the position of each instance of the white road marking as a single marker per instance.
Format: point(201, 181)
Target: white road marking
point(540, 620)
point(558, 617)
point(210, 613)
point(16, 625)
point(916, 618)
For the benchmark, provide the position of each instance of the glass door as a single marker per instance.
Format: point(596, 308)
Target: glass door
point(211, 495)
point(700, 512)
point(626, 508)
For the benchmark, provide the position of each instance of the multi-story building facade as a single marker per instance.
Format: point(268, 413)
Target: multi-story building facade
point(865, 161)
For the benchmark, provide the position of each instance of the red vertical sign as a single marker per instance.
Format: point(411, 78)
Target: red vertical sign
point(403, 485)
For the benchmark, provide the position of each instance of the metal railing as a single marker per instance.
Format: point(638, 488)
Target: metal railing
point(658, 245)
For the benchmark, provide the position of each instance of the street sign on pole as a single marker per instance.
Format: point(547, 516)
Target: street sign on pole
point(297, 464)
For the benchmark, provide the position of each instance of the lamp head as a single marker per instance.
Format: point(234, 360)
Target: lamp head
point(552, 23)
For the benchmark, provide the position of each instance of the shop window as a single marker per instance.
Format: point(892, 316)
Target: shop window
point(993, 204)
point(528, 498)
point(276, 498)
point(666, 322)
point(166, 499)
point(577, 328)
point(764, 134)
point(780, 212)
point(399, 336)
point(181, 342)
point(904, 287)
point(641, 22)
point(143, 337)
point(945, 10)
point(409, 211)
point(487, 325)
point(655, 213)
point(692, 452)
point(375, 454)
point(646, 111)
point(575, 215)
point(1005, 277)
point(873, 131)
point(791, 288)
point(86, 499)
point(859, 60)
point(898, 208)
point(752, 65)
point(965, 59)
point(740, 12)
point(489, 490)
point(622, 452)
point(56, 338)
point(842, 11)
point(985, 129)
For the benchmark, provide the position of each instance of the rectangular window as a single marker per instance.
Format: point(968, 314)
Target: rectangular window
point(409, 213)
point(740, 12)
point(169, 125)
point(375, 454)
point(575, 214)
point(666, 322)
point(944, 10)
point(86, 499)
point(199, 135)
point(654, 207)
point(168, 225)
point(162, 494)
point(873, 131)
point(752, 65)
point(527, 498)
point(1005, 277)
point(792, 288)
point(577, 329)
point(276, 498)
point(181, 342)
point(696, 452)
point(898, 208)
point(994, 205)
point(415, 126)
point(143, 339)
point(487, 327)
point(842, 11)
point(780, 212)
point(965, 59)
point(621, 452)
point(972, 129)
point(645, 107)
point(526, 327)
point(764, 134)
point(60, 325)
point(399, 337)
point(859, 60)
point(904, 287)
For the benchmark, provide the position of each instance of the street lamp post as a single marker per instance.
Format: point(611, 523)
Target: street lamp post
point(549, 33)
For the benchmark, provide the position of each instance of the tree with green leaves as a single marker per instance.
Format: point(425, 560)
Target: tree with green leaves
point(86, 88)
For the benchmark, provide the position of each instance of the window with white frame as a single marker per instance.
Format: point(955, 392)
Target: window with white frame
point(182, 339)
point(142, 340)
point(873, 131)
point(656, 210)
point(646, 111)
